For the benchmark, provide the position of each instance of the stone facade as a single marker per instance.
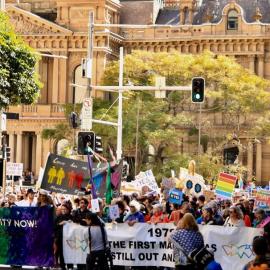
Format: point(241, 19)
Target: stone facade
point(235, 28)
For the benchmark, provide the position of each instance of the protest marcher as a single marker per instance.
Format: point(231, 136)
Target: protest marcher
point(30, 199)
point(97, 243)
point(235, 219)
point(259, 247)
point(11, 200)
point(207, 216)
point(185, 239)
point(158, 215)
point(79, 214)
point(261, 219)
point(216, 216)
point(178, 214)
point(246, 217)
point(64, 216)
point(44, 199)
point(135, 214)
point(122, 212)
point(201, 202)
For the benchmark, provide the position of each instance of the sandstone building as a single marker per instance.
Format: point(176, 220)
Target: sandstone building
point(239, 28)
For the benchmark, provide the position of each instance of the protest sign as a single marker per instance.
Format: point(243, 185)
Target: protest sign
point(193, 184)
point(146, 179)
point(69, 176)
point(14, 169)
point(263, 199)
point(148, 245)
point(225, 185)
point(175, 196)
point(114, 212)
point(26, 236)
point(167, 184)
point(95, 206)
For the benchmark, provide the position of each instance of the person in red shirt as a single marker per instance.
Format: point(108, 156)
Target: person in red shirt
point(158, 215)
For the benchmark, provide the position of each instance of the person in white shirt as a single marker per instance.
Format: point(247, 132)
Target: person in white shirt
point(235, 219)
point(29, 201)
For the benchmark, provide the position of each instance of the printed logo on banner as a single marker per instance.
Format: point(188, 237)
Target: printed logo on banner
point(241, 251)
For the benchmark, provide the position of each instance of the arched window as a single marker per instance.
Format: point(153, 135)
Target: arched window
point(232, 20)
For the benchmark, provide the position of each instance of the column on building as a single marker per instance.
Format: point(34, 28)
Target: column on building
point(251, 63)
point(38, 152)
point(259, 162)
point(250, 160)
point(34, 144)
point(260, 66)
point(55, 80)
point(62, 80)
point(11, 144)
point(26, 151)
point(19, 148)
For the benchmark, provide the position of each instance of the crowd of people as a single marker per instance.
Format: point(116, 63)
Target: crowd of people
point(151, 209)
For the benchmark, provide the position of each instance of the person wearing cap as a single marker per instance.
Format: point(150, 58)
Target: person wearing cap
point(44, 199)
point(135, 214)
point(29, 201)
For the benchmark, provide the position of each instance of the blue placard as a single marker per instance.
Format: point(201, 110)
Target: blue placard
point(175, 196)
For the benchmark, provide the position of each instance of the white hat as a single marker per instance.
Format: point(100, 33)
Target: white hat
point(136, 205)
point(43, 192)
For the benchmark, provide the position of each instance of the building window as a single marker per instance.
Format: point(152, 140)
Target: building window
point(232, 20)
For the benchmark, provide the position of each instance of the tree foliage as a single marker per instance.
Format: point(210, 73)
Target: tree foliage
point(18, 79)
point(230, 89)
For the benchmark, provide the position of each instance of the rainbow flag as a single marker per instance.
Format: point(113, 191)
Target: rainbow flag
point(225, 185)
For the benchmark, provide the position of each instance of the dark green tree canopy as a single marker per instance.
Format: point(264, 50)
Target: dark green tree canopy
point(19, 82)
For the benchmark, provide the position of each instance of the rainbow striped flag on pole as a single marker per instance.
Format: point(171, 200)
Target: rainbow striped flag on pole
point(225, 185)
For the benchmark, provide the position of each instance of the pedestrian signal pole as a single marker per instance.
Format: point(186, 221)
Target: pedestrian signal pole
point(120, 106)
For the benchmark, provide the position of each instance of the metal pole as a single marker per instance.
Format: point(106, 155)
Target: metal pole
point(120, 105)
point(199, 135)
point(137, 135)
point(90, 58)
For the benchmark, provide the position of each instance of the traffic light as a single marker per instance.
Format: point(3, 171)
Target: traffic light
point(8, 149)
point(197, 91)
point(86, 142)
point(98, 145)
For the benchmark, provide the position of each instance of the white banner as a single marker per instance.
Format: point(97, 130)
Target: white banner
point(75, 243)
point(147, 245)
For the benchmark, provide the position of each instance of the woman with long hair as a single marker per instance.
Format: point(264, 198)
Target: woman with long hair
point(185, 239)
point(235, 218)
point(98, 241)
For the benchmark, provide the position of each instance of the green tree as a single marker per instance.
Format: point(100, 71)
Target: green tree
point(230, 89)
point(19, 81)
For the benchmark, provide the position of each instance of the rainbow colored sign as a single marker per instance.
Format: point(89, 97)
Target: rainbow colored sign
point(225, 185)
